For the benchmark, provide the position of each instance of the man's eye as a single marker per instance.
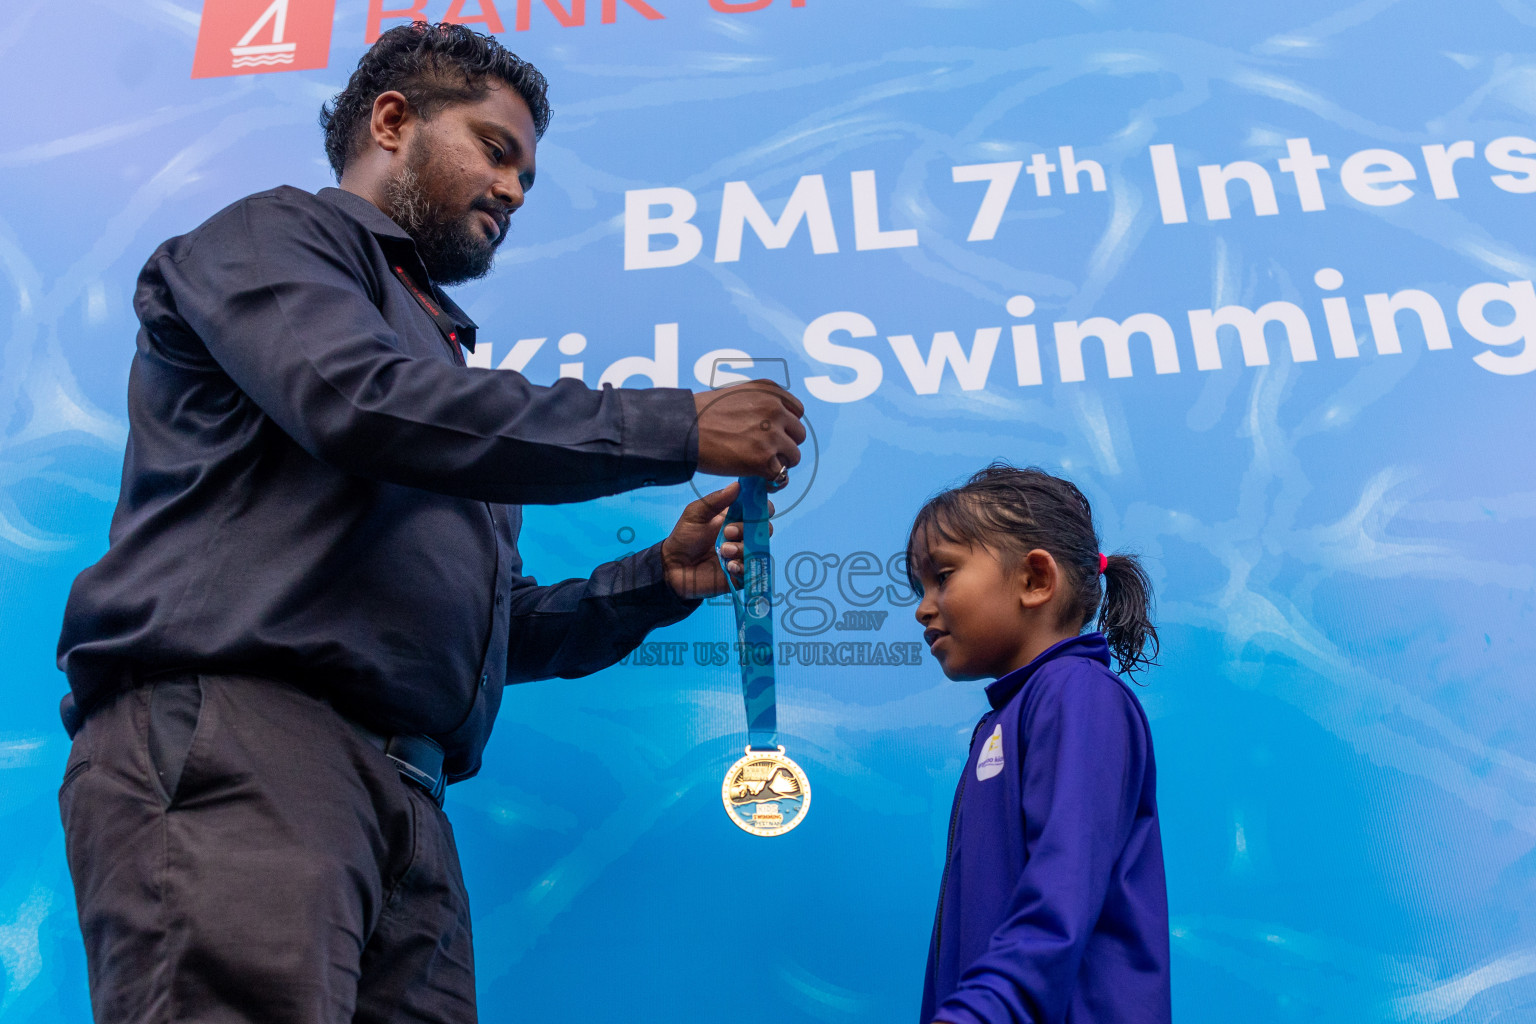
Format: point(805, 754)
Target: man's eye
point(495, 152)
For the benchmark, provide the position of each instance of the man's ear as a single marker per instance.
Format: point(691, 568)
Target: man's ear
point(1039, 577)
point(392, 114)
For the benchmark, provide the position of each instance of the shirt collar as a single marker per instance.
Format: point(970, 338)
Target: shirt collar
point(393, 236)
point(365, 213)
point(1088, 645)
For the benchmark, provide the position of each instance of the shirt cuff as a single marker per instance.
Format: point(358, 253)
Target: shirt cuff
point(651, 588)
point(660, 436)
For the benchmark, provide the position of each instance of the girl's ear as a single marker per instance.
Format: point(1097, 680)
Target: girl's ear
point(1039, 578)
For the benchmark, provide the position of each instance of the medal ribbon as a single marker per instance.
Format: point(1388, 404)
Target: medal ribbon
point(754, 613)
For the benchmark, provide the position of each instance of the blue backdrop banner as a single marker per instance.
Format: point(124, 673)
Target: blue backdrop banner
point(1258, 277)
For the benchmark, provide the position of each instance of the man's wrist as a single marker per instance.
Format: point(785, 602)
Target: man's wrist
point(659, 574)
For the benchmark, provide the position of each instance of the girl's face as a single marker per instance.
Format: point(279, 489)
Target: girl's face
point(976, 611)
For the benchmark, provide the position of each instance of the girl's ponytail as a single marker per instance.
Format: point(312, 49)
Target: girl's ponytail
point(1125, 617)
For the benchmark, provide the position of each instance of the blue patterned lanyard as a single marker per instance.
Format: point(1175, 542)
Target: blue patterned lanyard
point(754, 613)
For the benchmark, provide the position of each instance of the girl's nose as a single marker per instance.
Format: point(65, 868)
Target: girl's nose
point(925, 610)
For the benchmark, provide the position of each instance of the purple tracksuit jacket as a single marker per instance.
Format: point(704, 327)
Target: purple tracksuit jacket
point(1053, 906)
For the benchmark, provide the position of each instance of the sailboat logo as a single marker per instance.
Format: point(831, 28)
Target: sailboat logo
point(253, 37)
point(247, 55)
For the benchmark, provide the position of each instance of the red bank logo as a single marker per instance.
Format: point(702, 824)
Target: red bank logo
point(247, 37)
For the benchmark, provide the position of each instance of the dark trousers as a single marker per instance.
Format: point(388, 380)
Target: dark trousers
point(241, 853)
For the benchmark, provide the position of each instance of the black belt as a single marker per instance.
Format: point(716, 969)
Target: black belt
point(418, 759)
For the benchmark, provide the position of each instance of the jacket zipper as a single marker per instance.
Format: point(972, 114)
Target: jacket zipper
point(949, 846)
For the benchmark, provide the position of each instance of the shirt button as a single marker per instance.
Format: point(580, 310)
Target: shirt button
point(647, 483)
point(485, 677)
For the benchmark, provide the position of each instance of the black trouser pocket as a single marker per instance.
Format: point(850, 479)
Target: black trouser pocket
point(174, 705)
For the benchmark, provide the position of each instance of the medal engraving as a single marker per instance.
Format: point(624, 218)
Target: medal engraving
point(765, 793)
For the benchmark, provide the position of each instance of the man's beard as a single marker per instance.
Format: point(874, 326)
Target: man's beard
point(452, 250)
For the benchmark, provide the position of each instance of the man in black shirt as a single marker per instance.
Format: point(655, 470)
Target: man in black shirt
point(313, 598)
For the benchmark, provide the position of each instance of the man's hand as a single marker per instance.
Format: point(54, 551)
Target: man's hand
point(688, 553)
point(749, 429)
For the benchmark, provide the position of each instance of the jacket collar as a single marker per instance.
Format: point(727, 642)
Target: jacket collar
point(1088, 645)
point(397, 244)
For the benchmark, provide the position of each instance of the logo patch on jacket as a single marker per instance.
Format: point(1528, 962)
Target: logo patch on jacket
point(991, 760)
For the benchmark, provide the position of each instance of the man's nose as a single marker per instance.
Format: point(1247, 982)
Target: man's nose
point(509, 191)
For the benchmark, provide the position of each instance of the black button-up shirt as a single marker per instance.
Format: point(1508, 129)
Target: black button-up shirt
point(314, 490)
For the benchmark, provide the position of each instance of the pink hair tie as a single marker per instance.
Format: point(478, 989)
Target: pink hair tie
point(1103, 562)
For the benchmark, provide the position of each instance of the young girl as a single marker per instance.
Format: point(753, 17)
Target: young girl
point(1052, 907)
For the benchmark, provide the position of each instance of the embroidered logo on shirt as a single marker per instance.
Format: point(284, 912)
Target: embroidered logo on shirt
point(991, 760)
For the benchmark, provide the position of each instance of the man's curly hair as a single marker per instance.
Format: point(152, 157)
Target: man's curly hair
point(433, 66)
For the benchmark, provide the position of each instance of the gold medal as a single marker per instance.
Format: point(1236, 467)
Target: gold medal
point(765, 793)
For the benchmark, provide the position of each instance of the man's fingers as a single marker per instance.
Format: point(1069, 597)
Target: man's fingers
point(733, 531)
point(710, 505)
point(793, 404)
point(731, 548)
point(753, 427)
point(789, 456)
